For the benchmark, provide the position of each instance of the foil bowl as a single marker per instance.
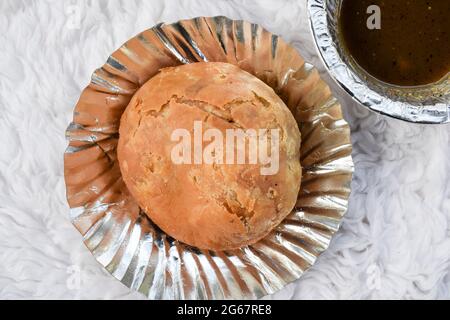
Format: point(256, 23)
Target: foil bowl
point(121, 236)
point(429, 104)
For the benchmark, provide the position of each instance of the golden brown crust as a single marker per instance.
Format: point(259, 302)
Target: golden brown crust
point(216, 206)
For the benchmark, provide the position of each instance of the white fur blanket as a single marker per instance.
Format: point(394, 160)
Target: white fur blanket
point(395, 239)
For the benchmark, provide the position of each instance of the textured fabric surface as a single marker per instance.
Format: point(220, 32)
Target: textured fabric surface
point(395, 238)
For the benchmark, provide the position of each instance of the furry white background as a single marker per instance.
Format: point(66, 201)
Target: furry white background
point(395, 239)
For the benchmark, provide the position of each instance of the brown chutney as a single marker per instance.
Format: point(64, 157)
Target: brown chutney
point(411, 48)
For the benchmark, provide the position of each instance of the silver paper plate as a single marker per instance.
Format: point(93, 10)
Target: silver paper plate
point(421, 104)
point(120, 235)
